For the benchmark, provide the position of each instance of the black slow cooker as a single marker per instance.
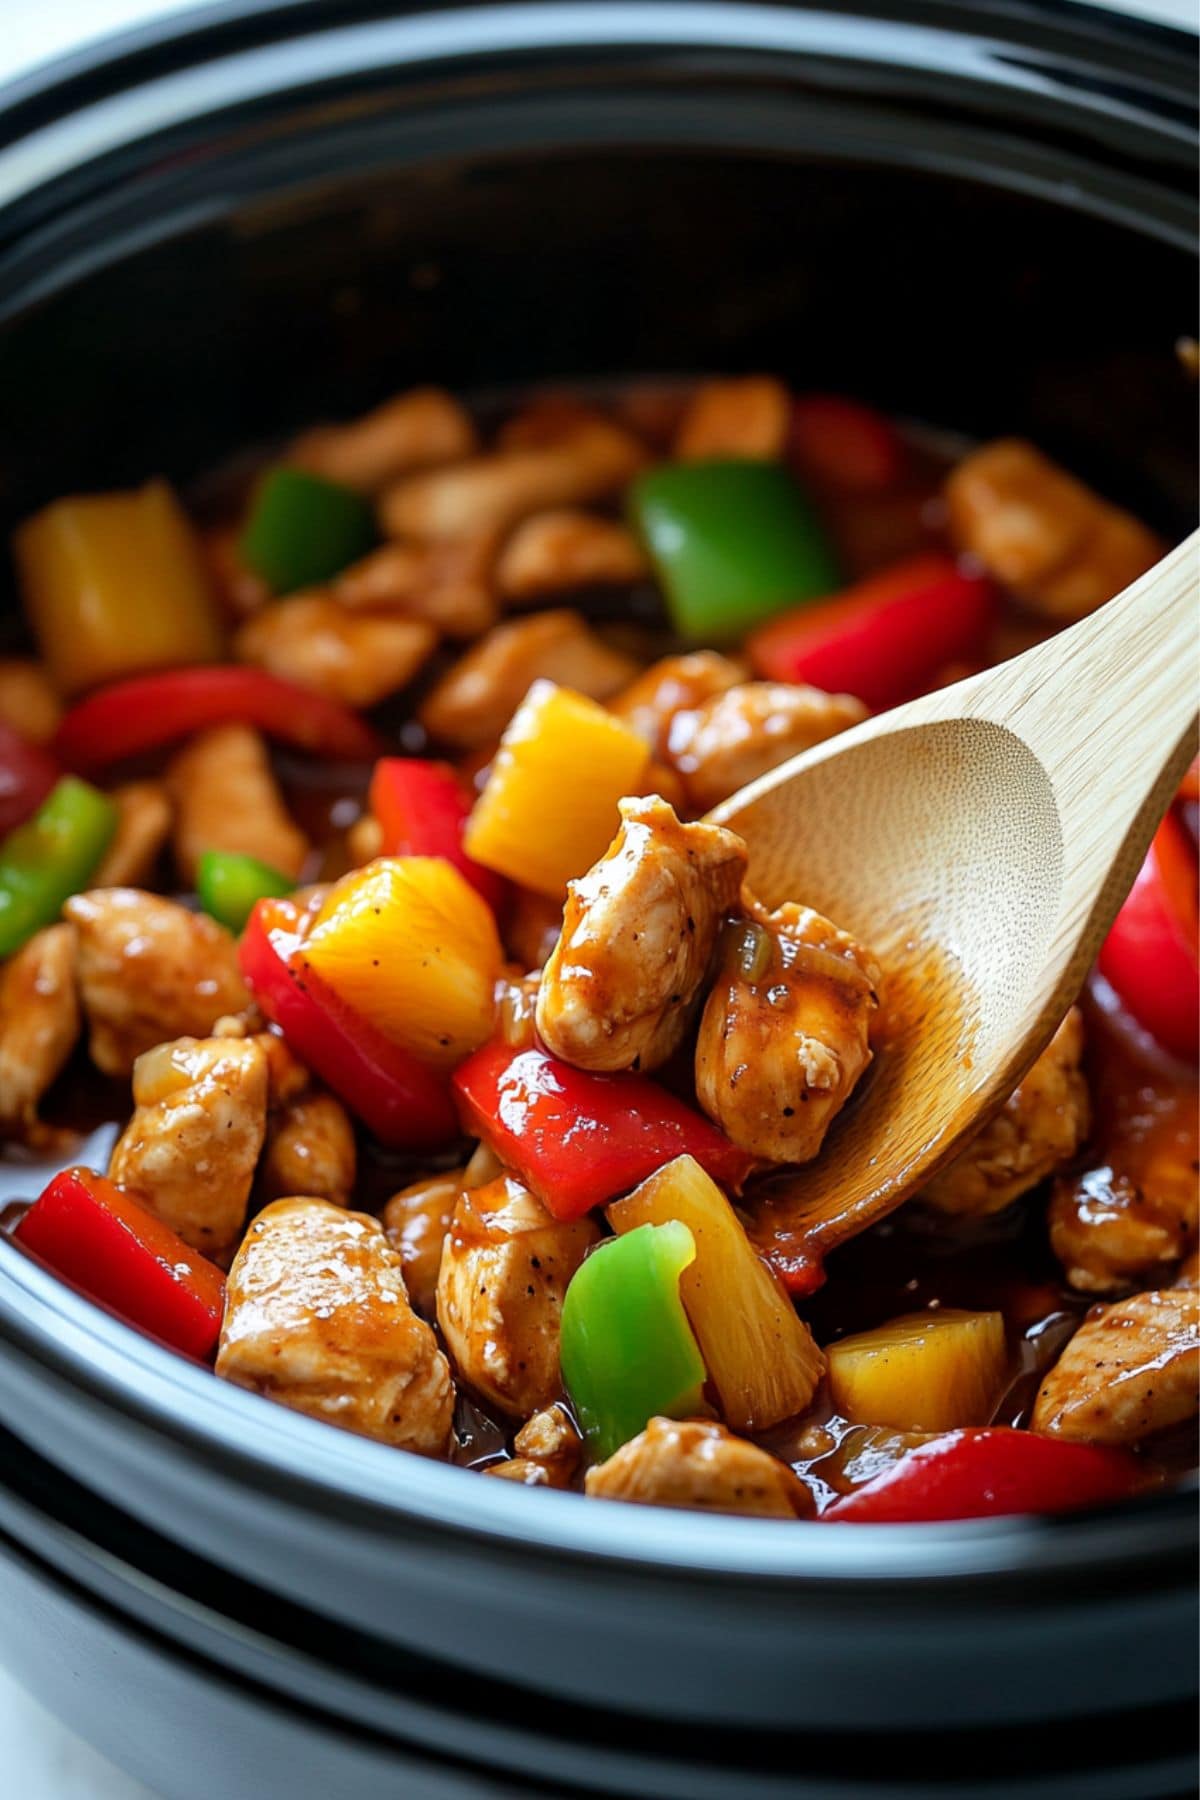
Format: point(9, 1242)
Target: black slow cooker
point(215, 231)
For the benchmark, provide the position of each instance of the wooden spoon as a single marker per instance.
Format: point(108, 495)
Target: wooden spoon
point(980, 840)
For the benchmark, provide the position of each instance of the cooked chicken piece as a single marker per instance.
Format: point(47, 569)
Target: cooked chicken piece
point(227, 798)
point(364, 841)
point(355, 657)
point(310, 1149)
point(1058, 546)
point(149, 970)
point(39, 1021)
point(699, 1465)
point(1131, 1369)
point(637, 939)
point(548, 418)
point(676, 684)
point(738, 735)
point(653, 410)
point(553, 552)
point(413, 430)
point(1042, 1124)
point(516, 1009)
point(783, 1035)
point(505, 1268)
point(190, 1150)
point(494, 492)
point(29, 703)
point(287, 1077)
point(317, 1317)
point(550, 1441)
point(1112, 1233)
point(534, 924)
point(144, 814)
point(749, 417)
point(416, 1221)
point(447, 583)
point(474, 701)
point(242, 592)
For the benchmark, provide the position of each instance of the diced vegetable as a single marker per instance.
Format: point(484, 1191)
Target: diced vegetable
point(101, 1241)
point(732, 542)
point(27, 775)
point(549, 808)
point(407, 944)
point(627, 1351)
point(845, 445)
point(759, 1353)
point(929, 1371)
point(229, 884)
point(303, 529)
point(151, 711)
point(578, 1140)
point(113, 583)
point(45, 861)
point(1150, 954)
point(980, 1474)
point(887, 637)
point(422, 808)
point(404, 1103)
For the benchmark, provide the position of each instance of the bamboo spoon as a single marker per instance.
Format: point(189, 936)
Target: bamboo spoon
point(981, 841)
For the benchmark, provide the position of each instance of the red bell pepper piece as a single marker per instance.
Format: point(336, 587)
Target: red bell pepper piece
point(402, 1102)
point(27, 775)
point(422, 808)
point(101, 1241)
point(1150, 955)
point(148, 711)
point(887, 637)
point(841, 444)
point(578, 1140)
point(980, 1474)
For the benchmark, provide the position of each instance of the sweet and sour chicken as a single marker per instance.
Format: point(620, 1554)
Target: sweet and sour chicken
point(475, 1145)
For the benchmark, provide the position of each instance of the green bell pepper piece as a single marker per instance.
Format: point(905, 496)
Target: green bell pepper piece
point(626, 1349)
point(732, 542)
point(50, 857)
point(229, 885)
point(303, 530)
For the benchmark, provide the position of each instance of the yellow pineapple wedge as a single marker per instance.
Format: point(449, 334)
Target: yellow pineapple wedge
point(929, 1371)
point(759, 1353)
point(408, 943)
point(549, 808)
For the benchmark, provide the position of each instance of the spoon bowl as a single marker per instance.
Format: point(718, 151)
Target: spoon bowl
point(980, 841)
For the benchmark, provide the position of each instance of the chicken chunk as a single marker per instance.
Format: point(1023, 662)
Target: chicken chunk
point(784, 1033)
point(1132, 1368)
point(554, 552)
point(505, 1268)
point(750, 417)
point(447, 584)
point(1042, 1124)
point(550, 1441)
point(1112, 1233)
point(228, 799)
point(350, 655)
point(588, 460)
point(190, 1150)
point(474, 701)
point(413, 430)
point(310, 1149)
point(29, 702)
point(417, 1220)
point(1058, 546)
point(637, 939)
point(39, 1022)
point(697, 1464)
point(240, 590)
point(676, 684)
point(144, 815)
point(318, 1318)
point(736, 736)
point(149, 971)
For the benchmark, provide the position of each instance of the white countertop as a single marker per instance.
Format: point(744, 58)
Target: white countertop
point(42, 1760)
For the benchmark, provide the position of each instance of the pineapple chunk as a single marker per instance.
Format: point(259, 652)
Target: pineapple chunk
point(759, 1353)
point(929, 1371)
point(409, 945)
point(549, 808)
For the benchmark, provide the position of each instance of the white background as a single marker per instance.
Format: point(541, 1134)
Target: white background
point(41, 1761)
